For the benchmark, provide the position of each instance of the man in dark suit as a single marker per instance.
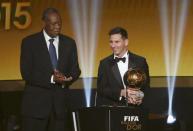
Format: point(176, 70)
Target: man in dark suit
point(111, 89)
point(49, 64)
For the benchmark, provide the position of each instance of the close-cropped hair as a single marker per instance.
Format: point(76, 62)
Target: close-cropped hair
point(47, 12)
point(119, 30)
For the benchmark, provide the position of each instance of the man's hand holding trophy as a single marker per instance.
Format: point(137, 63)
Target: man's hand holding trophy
point(134, 79)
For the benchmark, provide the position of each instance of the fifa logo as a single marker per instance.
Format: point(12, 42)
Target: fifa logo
point(131, 123)
point(131, 118)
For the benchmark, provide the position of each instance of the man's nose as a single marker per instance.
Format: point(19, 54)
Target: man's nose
point(57, 26)
point(112, 45)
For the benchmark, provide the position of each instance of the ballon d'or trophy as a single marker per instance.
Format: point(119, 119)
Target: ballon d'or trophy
point(133, 78)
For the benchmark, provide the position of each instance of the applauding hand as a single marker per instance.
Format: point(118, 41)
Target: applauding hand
point(60, 78)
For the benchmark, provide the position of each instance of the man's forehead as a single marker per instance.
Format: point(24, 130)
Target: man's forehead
point(53, 16)
point(116, 37)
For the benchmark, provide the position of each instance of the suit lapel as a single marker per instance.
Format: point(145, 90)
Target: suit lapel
point(115, 70)
point(131, 63)
point(44, 50)
point(60, 50)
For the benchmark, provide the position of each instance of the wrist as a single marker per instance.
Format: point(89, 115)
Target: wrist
point(123, 93)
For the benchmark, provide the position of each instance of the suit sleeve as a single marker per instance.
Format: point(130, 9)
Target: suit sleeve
point(75, 70)
point(26, 61)
point(103, 87)
point(145, 67)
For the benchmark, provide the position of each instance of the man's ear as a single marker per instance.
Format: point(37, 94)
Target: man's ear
point(126, 42)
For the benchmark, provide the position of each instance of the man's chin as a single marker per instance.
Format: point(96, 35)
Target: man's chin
point(116, 53)
point(55, 34)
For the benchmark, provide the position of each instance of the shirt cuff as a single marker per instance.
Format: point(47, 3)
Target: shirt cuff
point(52, 79)
point(120, 98)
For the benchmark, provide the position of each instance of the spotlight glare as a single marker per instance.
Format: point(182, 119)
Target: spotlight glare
point(172, 42)
point(171, 119)
point(85, 17)
point(87, 90)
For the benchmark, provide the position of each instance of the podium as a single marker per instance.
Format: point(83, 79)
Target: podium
point(110, 119)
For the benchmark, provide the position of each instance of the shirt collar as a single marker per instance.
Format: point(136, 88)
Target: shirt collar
point(47, 37)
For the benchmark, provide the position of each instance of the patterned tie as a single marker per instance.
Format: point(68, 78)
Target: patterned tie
point(52, 51)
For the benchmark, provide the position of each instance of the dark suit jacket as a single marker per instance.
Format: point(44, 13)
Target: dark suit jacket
point(40, 96)
point(109, 82)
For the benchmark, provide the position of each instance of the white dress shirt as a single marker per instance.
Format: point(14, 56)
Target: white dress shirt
point(123, 67)
point(56, 44)
point(56, 41)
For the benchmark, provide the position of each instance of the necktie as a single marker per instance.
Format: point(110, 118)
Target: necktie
point(117, 59)
point(52, 51)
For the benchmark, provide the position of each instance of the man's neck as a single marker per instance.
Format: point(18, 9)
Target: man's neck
point(51, 36)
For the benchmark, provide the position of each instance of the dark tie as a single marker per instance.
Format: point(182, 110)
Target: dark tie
point(52, 51)
point(117, 59)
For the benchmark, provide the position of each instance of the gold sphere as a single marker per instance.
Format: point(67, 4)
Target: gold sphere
point(134, 78)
